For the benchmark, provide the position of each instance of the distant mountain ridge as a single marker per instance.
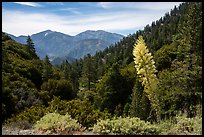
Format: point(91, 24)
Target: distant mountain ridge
point(60, 45)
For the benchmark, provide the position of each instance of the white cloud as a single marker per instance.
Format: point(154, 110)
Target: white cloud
point(72, 10)
point(24, 23)
point(32, 4)
point(139, 5)
point(55, 3)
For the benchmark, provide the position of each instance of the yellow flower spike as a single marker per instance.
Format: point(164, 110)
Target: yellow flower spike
point(146, 70)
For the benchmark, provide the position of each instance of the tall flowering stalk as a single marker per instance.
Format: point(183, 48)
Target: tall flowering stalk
point(146, 70)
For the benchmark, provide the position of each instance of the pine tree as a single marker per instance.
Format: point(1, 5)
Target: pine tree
point(66, 70)
point(146, 70)
point(181, 85)
point(70, 73)
point(137, 94)
point(88, 71)
point(30, 44)
point(47, 69)
point(111, 91)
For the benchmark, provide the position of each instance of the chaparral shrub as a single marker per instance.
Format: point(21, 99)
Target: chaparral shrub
point(56, 123)
point(125, 126)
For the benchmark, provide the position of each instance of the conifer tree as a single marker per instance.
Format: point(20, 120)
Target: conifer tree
point(70, 73)
point(47, 70)
point(30, 44)
point(139, 103)
point(88, 71)
point(66, 70)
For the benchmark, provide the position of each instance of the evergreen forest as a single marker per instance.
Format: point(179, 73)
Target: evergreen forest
point(150, 82)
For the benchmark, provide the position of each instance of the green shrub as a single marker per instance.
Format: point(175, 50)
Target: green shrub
point(86, 95)
point(187, 126)
point(182, 126)
point(197, 125)
point(82, 111)
point(166, 125)
point(28, 117)
point(62, 88)
point(125, 126)
point(54, 122)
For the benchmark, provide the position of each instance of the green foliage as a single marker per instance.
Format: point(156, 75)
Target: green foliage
point(189, 37)
point(128, 73)
point(140, 105)
point(126, 109)
point(17, 94)
point(166, 125)
point(28, 117)
point(5, 37)
point(86, 95)
point(164, 56)
point(175, 40)
point(177, 91)
point(182, 125)
point(110, 92)
point(30, 46)
point(125, 126)
point(57, 74)
point(30, 43)
point(45, 97)
point(81, 110)
point(88, 71)
point(47, 69)
point(180, 86)
point(60, 88)
point(119, 53)
point(71, 73)
point(21, 77)
point(197, 125)
point(54, 122)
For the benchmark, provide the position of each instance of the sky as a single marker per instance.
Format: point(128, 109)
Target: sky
point(72, 18)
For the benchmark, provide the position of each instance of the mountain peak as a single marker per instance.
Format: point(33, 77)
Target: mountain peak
point(43, 32)
point(95, 31)
point(59, 44)
point(47, 31)
point(102, 31)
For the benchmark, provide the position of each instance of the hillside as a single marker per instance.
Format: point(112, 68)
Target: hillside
point(148, 83)
point(21, 77)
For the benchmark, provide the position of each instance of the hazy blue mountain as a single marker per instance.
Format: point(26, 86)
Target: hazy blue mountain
point(60, 46)
point(53, 44)
point(59, 60)
point(99, 34)
point(83, 47)
point(20, 39)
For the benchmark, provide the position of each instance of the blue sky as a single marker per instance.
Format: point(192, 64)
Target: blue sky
point(27, 18)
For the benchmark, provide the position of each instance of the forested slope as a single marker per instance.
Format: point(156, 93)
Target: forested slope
point(107, 86)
